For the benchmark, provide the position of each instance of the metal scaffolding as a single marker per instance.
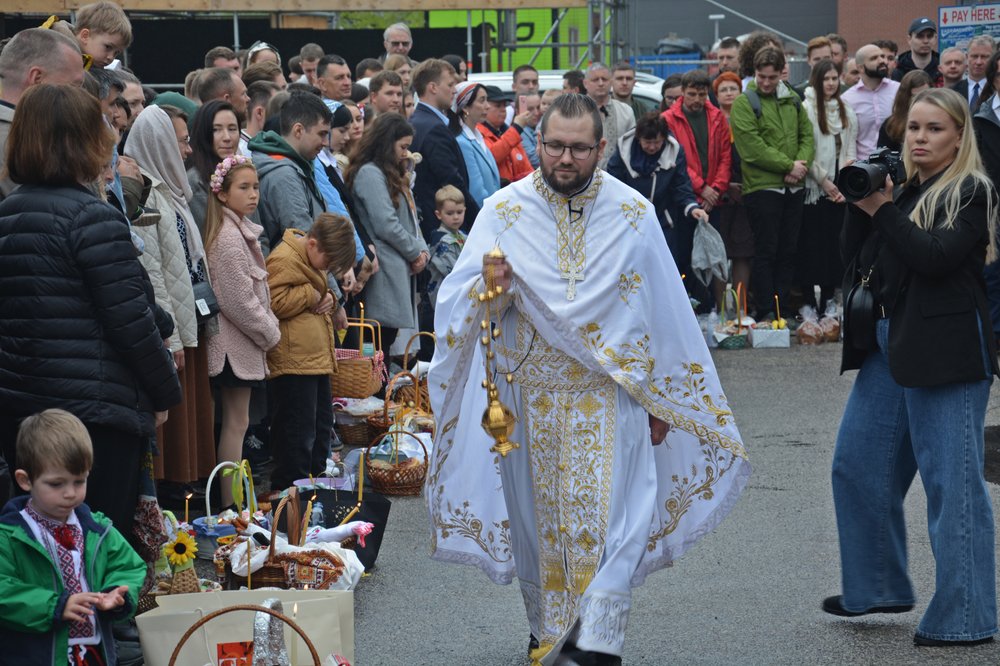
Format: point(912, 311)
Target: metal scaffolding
point(607, 39)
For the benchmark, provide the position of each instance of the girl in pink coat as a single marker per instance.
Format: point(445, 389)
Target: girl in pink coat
point(237, 355)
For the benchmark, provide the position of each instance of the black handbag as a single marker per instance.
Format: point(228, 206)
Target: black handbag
point(339, 507)
point(206, 305)
point(859, 315)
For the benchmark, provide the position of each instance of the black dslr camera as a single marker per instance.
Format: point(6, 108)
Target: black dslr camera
point(863, 177)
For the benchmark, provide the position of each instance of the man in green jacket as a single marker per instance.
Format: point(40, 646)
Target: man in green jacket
point(774, 138)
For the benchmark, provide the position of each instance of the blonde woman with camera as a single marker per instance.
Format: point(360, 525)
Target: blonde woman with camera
point(926, 365)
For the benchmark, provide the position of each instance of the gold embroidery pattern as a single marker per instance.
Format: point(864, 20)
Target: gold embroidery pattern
point(450, 338)
point(571, 246)
point(630, 358)
point(719, 451)
point(572, 437)
point(632, 212)
point(458, 520)
point(508, 214)
point(628, 285)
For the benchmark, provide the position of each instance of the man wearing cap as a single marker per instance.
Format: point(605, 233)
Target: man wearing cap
point(504, 141)
point(922, 35)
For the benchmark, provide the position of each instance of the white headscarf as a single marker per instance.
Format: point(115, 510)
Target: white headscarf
point(152, 143)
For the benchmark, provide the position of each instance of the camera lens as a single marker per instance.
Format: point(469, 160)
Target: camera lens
point(857, 183)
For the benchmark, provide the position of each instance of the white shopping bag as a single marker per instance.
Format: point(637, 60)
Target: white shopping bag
point(327, 617)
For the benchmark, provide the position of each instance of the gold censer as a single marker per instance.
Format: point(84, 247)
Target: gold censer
point(498, 420)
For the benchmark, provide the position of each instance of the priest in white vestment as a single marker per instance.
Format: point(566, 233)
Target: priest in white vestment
point(599, 348)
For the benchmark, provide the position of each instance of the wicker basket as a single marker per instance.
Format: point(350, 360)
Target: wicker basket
point(396, 478)
point(359, 376)
point(416, 393)
point(243, 607)
point(354, 434)
point(272, 574)
point(378, 424)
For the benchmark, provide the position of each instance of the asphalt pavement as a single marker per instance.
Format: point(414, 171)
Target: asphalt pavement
point(749, 593)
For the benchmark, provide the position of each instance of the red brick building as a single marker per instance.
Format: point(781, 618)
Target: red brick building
point(862, 21)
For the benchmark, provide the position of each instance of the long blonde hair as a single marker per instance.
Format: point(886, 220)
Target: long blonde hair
point(968, 165)
point(214, 214)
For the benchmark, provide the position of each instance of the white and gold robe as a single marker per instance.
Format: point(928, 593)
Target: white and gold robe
point(586, 507)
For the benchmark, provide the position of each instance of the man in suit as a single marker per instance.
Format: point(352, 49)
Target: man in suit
point(434, 82)
point(981, 47)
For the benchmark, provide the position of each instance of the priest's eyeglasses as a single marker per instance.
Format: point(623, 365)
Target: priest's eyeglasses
point(556, 149)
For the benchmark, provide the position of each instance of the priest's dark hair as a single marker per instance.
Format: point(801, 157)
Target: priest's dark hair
point(573, 105)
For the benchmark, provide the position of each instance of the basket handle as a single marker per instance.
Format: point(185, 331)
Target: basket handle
point(244, 607)
point(391, 385)
point(406, 352)
point(395, 438)
point(372, 325)
point(208, 486)
point(274, 530)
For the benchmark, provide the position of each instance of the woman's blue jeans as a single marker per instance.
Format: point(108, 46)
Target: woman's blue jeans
point(888, 433)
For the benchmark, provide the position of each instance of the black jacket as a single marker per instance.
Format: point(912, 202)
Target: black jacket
point(905, 64)
point(76, 327)
point(987, 127)
point(937, 289)
point(442, 165)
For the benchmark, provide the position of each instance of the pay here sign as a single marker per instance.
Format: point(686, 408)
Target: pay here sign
point(957, 25)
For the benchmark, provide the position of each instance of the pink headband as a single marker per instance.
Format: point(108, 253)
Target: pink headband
point(223, 169)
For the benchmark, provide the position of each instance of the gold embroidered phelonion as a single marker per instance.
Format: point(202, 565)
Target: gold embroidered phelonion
point(181, 550)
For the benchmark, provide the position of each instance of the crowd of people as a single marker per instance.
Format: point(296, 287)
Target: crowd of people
point(176, 266)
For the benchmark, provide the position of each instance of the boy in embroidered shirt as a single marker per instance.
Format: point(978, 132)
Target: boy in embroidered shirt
point(447, 240)
point(55, 619)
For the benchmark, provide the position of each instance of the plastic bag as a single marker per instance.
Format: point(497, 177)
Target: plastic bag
point(809, 331)
point(708, 256)
point(830, 323)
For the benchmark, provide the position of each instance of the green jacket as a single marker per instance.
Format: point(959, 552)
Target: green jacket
point(769, 145)
point(32, 631)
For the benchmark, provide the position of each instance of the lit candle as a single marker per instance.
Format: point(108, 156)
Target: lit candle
point(249, 556)
point(295, 635)
point(187, 515)
point(305, 522)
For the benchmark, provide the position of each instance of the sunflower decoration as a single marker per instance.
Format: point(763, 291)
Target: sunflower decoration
point(181, 550)
point(181, 553)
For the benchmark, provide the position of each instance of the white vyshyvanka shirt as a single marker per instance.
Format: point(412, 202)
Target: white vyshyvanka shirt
point(586, 507)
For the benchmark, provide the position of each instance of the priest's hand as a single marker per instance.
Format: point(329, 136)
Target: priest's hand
point(501, 271)
point(657, 430)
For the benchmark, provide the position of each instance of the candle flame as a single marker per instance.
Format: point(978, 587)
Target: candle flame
point(189, 496)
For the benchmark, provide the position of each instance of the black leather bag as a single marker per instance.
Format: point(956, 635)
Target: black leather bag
point(859, 315)
point(206, 305)
point(339, 507)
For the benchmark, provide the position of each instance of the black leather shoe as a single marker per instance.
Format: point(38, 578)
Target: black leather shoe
point(586, 658)
point(532, 643)
point(835, 606)
point(923, 641)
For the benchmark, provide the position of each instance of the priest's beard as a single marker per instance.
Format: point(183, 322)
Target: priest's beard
point(567, 179)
